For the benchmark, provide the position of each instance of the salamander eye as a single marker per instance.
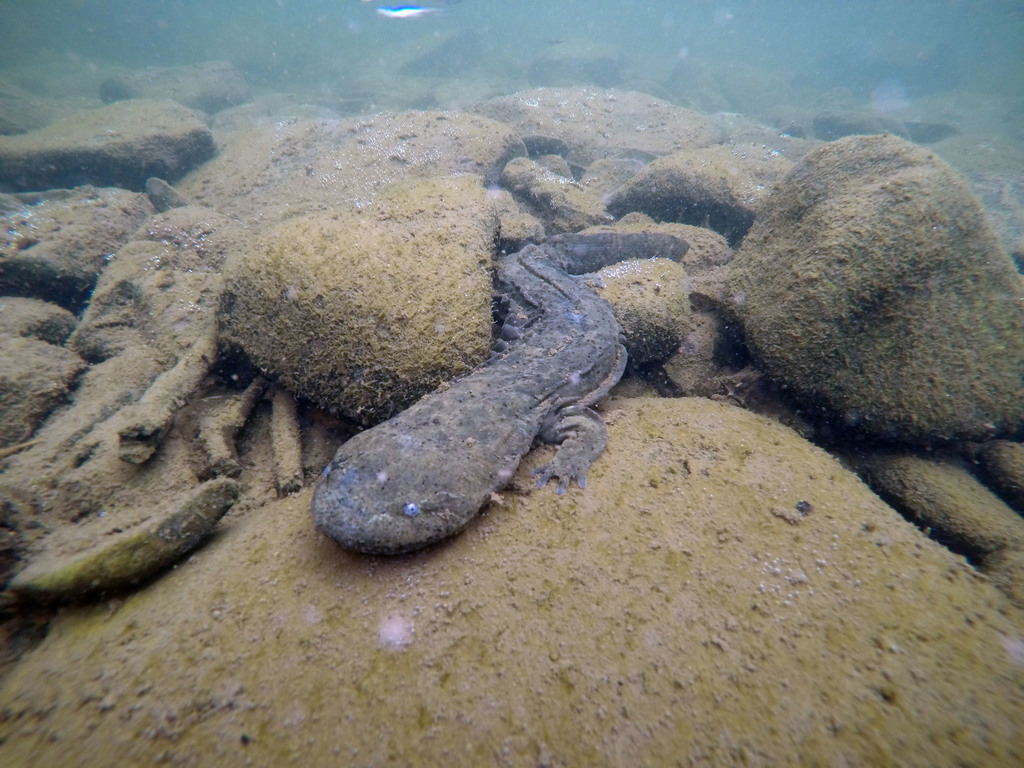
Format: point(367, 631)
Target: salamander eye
point(411, 509)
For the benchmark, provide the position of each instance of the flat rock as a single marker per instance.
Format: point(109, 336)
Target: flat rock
point(54, 245)
point(119, 145)
point(78, 564)
point(872, 284)
point(720, 588)
point(209, 87)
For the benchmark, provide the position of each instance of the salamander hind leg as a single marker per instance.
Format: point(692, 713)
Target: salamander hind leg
point(582, 436)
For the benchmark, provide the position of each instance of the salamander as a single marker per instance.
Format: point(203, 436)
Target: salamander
point(424, 474)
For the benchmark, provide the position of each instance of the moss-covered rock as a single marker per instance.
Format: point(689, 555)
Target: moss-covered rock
point(208, 86)
point(873, 284)
point(35, 318)
point(365, 311)
point(1002, 462)
point(707, 250)
point(594, 123)
point(266, 174)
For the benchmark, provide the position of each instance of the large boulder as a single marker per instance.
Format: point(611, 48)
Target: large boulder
point(366, 310)
point(119, 145)
point(873, 285)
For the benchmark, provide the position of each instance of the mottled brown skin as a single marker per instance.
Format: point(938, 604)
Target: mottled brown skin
point(424, 474)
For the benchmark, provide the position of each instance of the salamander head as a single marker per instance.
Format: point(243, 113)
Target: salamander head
point(369, 510)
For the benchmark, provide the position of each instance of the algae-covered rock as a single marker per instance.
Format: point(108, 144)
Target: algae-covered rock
point(872, 283)
point(722, 591)
point(365, 311)
point(707, 249)
point(651, 304)
point(719, 187)
point(76, 564)
point(120, 145)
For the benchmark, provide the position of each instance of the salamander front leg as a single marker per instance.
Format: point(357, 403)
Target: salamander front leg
point(581, 435)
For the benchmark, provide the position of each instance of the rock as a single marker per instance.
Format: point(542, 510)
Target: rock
point(651, 304)
point(456, 56)
point(268, 174)
point(516, 225)
point(685, 605)
point(555, 200)
point(718, 187)
point(707, 249)
point(695, 368)
point(37, 319)
point(944, 499)
point(163, 196)
point(762, 140)
point(161, 289)
point(21, 111)
point(832, 126)
point(65, 571)
point(555, 164)
point(209, 87)
point(1002, 462)
point(54, 245)
point(365, 310)
point(124, 447)
point(119, 145)
point(596, 123)
point(573, 63)
point(34, 379)
point(607, 174)
point(872, 284)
